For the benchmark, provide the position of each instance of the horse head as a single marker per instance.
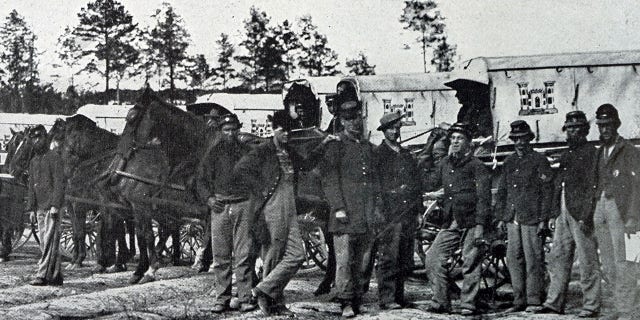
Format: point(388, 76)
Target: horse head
point(19, 153)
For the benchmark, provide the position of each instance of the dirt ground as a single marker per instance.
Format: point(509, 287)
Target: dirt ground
point(181, 293)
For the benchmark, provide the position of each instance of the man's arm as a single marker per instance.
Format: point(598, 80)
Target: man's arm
point(331, 176)
point(483, 193)
point(57, 170)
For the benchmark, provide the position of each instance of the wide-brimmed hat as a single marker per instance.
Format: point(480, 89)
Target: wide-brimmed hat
point(389, 120)
point(607, 113)
point(466, 84)
point(228, 119)
point(461, 127)
point(38, 131)
point(521, 128)
point(349, 110)
point(575, 119)
point(282, 119)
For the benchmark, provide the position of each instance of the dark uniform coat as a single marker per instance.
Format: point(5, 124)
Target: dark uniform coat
point(46, 182)
point(467, 190)
point(620, 177)
point(525, 189)
point(576, 171)
point(397, 169)
point(351, 182)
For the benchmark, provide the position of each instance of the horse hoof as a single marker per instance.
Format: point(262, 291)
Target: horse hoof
point(135, 279)
point(322, 290)
point(146, 279)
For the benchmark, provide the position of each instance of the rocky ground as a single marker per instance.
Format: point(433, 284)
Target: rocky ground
point(181, 293)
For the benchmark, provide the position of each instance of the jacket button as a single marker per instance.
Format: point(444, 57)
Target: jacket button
point(450, 185)
point(515, 185)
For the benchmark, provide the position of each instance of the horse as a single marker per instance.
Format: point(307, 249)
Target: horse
point(12, 195)
point(86, 151)
point(153, 171)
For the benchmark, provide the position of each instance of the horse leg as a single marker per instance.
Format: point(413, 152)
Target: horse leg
point(152, 261)
point(79, 237)
point(329, 276)
point(143, 262)
point(163, 236)
point(175, 244)
point(131, 230)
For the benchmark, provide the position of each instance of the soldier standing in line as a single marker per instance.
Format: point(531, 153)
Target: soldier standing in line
point(401, 193)
point(573, 205)
point(45, 199)
point(617, 206)
point(522, 208)
point(466, 202)
point(231, 216)
point(351, 184)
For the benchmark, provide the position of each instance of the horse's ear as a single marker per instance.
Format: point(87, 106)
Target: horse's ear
point(147, 96)
point(13, 133)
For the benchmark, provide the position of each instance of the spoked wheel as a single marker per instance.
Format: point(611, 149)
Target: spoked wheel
point(67, 245)
point(191, 239)
point(315, 248)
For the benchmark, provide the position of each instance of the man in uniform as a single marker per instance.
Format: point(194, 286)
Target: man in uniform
point(617, 205)
point(573, 204)
point(522, 208)
point(351, 184)
point(401, 193)
point(466, 202)
point(231, 216)
point(45, 198)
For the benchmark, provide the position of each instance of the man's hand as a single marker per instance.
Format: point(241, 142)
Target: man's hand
point(631, 226)
point(32, 217)
point(502, 226)
point(583, 227)
point(552, 223)
point(478, 232)
point(215, 205)
point(341, 216)
point(329, 138)
point(54, 213)
point(542, 230)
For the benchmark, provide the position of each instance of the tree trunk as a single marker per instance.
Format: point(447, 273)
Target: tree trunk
point(424, 52)
point(171, 84)
point(106, 69)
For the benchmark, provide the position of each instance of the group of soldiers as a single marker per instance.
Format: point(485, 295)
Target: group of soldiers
point(375, 194)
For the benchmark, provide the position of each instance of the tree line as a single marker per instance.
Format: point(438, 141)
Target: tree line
point(108, 43)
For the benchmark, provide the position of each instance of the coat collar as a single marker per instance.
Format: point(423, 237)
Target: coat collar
point(617, 148)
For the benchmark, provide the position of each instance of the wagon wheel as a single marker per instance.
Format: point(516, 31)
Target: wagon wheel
point(315, 248)
point(66, 238)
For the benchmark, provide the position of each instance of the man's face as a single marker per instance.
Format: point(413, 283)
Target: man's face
point(229, 131)
point(281, 135)
point(464, 96)
point(459, 143)
point(608, 132)
point(353, 125)
point(574, 134)
point(393, 133)
point(40, 142)
point(521, 144)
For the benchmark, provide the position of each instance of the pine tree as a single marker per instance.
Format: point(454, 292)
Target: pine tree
point(316, 57)
point(360, 66)
point(225, 70)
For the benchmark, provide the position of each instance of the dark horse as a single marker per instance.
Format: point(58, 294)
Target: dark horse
point(153, 171)
point(12, 195)
point(86, 151)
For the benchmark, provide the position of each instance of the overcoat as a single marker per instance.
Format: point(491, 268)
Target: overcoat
point(46, 182)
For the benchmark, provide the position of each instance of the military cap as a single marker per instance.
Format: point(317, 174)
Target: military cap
point(607, 113)
point(282, 119)
point(575, 119)
point(349, 110)
point(389, 120)
point(461, 127)
point(37, 131)
point(228, 119)
point(521, 128)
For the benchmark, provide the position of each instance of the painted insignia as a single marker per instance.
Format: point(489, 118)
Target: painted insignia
point(534, 101)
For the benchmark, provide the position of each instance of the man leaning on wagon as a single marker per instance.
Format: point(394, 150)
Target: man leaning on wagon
point(617, 205)
point(231, 216)
point(45, 199)
point(466, 202)
point(572, 207)
point(522, 208)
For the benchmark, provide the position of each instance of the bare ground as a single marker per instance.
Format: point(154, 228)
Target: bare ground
point(180, 293)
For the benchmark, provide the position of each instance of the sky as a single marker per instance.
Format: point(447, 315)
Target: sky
point(477, 27)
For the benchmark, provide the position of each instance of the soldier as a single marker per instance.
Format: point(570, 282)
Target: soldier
point(351, 184)
point(522, 208)
point(617, 205)
point(231, 216)
point(466, 201)
point(270, 170)
point(573, 204)
point(401, 194)
point(45, 198)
